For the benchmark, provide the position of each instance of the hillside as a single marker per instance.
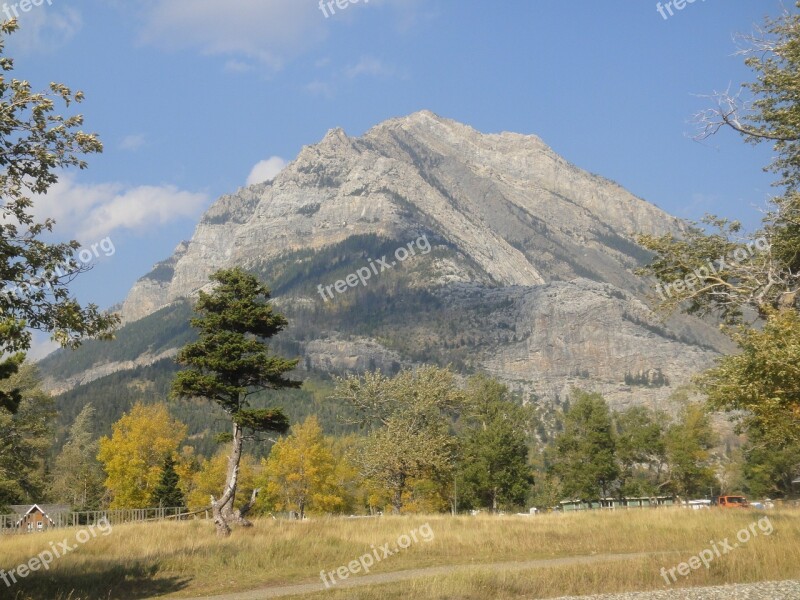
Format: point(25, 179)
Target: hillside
point(522, 267)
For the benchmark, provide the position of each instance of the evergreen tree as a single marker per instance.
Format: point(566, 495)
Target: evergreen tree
point(77, 477)
point(688, 448)
point(25, 437)
point(229, 363)
point(167, 494)
point(584, 458)
point(495, 470)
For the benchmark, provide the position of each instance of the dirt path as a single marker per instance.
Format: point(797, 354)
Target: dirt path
point(399, 576)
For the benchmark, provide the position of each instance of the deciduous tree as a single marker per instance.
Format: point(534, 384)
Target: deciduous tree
point(409, 420)
point(688, 449)
point(133, 457)
point(301, 473)
point(36, 144)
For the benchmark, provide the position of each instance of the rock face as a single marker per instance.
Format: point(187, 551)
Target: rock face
point(534, 257)
point(508, 202)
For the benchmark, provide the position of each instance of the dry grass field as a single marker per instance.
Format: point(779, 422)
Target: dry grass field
point(186, 560)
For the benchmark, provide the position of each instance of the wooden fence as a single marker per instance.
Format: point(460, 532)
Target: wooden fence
point(8, 523)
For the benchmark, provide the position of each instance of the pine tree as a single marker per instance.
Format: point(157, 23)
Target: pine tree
point(77, 476)
point(495, 470)
point(584, 457)
point(167, 494)
point(228, 364)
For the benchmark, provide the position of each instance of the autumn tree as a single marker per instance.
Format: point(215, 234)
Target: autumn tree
point(77, 477)
point(301, 473)
point(229, 364)
point(133, 457)
point(37, 144)
point(25, 438)
point(211, 474)
point(750, 280)
point(409, 423)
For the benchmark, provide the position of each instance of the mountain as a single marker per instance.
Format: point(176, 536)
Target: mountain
point(522, 267)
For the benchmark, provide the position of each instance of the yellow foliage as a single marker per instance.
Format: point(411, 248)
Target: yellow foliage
point(134, 455)
point(424, 496)
point(210, 479)
point(302, 474)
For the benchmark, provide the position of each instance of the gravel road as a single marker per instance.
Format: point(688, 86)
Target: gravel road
point(772, 590)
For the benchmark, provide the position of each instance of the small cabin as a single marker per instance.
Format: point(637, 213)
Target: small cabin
point(29, 518)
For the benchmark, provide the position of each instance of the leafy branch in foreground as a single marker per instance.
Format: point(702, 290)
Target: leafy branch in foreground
point(35, 143)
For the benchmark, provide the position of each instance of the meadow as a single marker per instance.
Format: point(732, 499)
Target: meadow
point(187, 560)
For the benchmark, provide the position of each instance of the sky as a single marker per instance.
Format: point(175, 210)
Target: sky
point(194, 99)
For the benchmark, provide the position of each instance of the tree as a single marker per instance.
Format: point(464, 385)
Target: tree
point(211, 476)
point(168, 494)
point(640, 450)
point(584, 458)
point(301, 472)
point(768, 470)
point(229, 364)
point(494, 459)
point(36, 144)
point(409, 421)
point(688, 443)
point(763, 380)
point(133, 457)
point(759, 274)
point(77, 476)
point(25, 438)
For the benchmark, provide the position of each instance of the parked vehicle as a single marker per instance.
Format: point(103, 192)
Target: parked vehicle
point(699, 504)
point(731, 502)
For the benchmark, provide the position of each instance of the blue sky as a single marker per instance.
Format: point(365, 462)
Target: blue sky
point(189, 96)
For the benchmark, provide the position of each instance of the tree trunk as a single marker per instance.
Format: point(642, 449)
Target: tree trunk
point(397, 496)
point(220, 522)
point(223, 508)
point(232, 476)
point(239, 515)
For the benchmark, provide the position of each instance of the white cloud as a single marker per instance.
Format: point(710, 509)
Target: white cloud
point(238, 66)
point(41, 346)
point(89, 212)
point(266, 170)
point(262, 30)
point(43, 28)
point(368, 65)
point(133, 142)
point(320, 88)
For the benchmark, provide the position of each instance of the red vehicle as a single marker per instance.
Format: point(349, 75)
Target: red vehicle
point(731, 502)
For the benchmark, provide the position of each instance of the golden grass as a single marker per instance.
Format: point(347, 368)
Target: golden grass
point(181, 560)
